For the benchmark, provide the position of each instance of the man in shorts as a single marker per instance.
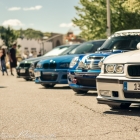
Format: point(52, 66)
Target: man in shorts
point(12, 57)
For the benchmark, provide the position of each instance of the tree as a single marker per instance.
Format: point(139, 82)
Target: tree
point(92, 17)
point(8, 35)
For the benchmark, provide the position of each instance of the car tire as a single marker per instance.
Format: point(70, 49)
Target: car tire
point(121, 106)
point(48, 85)
point(80, 91)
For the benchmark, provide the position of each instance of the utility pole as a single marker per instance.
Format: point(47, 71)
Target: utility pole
point(108, 18)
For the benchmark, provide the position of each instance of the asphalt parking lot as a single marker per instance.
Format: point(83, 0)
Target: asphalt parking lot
point(29, 111)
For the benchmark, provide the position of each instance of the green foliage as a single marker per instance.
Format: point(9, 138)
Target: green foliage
point(92, 19)
point(8, 35)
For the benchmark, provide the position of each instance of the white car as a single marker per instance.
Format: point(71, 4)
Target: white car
point(118, 84)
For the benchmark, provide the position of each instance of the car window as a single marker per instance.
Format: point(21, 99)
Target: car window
point(69, 49)
point(97, 44)
point(86, 47)
point(121, 43)
point(57, 51)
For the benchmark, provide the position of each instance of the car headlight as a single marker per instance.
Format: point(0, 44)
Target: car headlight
point(101, 62)
point(39, 66)
point(73, 62)
point(64, 65)
point(32, 66)
point(114, 68)
point(110, 68)
point(119, 69)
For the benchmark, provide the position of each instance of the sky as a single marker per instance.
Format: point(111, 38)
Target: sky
point(44, 15)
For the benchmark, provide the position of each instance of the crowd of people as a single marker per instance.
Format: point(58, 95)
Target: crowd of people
point(12, 59)
point(11, 53)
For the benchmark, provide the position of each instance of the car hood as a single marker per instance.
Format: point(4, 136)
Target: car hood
point(58, 59)
point(128, 57)
point(30, 60)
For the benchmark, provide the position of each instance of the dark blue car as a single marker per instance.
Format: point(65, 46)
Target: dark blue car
point(82, 77)
point(54, 70)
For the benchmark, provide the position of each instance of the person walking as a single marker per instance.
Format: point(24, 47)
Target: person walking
point(12, 58)
point(2, 59)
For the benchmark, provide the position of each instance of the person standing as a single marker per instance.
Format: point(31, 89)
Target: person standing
point(12, 58)
point(2, 59)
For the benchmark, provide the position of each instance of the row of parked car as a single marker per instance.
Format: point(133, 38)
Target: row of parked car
point(110, 66)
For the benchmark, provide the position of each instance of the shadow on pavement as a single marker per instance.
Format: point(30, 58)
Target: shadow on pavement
point(131, 111)
point(64, 87)
point(86, 94)
point(2, 87)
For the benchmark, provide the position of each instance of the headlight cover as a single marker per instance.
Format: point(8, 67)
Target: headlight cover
point(39, 66)
point(119, 69)
point(114, 68)
point(73, 62)
point(32, 66)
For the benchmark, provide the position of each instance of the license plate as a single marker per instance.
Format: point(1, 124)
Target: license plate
point(37, 74)
point(22, 71)
point(131, 86)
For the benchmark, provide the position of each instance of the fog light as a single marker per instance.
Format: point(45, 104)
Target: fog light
point(74, 81)
point(105, 93)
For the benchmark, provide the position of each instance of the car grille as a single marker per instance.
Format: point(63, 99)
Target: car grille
point(95, 66)
point(49, 66)
point(23, 65)
point(86, 82)
point(132, 95)
point(49, 77)
point(64, 76)
point(134, 70)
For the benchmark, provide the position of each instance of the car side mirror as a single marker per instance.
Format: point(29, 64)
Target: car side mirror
point(138, 46)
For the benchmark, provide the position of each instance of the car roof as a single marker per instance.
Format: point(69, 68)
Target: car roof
point(130, 31)
point(96, 40)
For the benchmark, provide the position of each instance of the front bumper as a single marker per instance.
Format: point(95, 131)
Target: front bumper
point(85, 81)
point(23, 73)
point(111, 90)
point(51, 77)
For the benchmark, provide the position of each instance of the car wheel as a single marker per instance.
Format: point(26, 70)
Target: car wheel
point(80, 91)
point(48, 85)
point(121, 106)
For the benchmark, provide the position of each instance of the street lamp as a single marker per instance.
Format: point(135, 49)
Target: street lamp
point(108, 18)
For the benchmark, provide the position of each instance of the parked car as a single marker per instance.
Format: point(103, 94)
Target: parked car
point(24, 66)
point(54, 70)
point(118, 84)
point(34, 63)
point(82, 77)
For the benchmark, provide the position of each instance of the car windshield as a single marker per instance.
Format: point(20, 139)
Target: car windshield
point(121, 43)
point(87, 47)
point(69, 49)
point(57, 50)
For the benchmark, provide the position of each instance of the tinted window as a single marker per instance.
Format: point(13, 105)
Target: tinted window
point(121, 43)
point(57, 51)
point(87, 47)
point(69, 49)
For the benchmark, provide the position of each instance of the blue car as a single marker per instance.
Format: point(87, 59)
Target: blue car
point(82, 78)
point(54, 70)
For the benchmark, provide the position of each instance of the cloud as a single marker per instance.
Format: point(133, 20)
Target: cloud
point(14, 9)
point(12, 22)
point(38, 7)
point(66, 25)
